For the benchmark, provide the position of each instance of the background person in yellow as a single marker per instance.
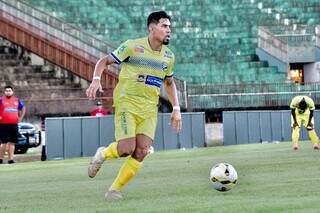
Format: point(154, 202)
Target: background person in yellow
point(302, 108)
point(146, 63)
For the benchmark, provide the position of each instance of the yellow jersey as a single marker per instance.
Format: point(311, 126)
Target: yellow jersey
point(142, 73)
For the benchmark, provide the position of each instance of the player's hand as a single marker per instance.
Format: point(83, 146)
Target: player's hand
point(176, 121)
point(310, 126)
point(93, 88)
point(294, 125)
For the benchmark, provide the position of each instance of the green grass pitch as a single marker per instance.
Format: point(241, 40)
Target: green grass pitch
point(272, 178)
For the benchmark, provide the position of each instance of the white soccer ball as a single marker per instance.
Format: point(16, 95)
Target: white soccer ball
point(223, 177)
point(151, 150)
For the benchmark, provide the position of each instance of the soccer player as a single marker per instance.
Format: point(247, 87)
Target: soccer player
point(12, 111)
point(302, 108)
point(146, 64)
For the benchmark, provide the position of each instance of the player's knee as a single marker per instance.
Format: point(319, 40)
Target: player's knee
point(140, 153)
point(126, 149)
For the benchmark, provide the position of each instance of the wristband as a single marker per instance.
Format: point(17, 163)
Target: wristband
point(96, 78)
point(176, 108)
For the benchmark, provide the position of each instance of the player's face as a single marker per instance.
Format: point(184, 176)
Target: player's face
point(162, 30)
point(8, 92)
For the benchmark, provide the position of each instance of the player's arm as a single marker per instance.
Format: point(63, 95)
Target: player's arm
point(309, 125)
point(95, 85)
point(293, 106)
point(293, 113)
point(311, 106)
point(171, 90)
point(117, 56)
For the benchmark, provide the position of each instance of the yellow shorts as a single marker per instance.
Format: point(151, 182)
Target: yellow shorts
point(128, 125)
point(302, 118)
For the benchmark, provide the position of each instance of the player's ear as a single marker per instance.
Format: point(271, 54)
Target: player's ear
point(151, 27)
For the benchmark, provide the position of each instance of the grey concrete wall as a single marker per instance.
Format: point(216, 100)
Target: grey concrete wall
point(244, 127)
point(80, 136)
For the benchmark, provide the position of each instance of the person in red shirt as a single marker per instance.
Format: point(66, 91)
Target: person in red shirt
point(12, 111)
point(99, 111)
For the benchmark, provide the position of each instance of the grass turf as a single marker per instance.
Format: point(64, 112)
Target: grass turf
point(272, 178)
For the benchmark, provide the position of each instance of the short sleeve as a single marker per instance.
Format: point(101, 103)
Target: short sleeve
point(122, 52)
point(169, 71)
point(294, 103)
point(20, 105)
point(310, 103)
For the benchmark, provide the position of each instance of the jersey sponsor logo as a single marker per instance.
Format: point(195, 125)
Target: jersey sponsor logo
point(139, 49)
point(153, 81)
point(7, 109)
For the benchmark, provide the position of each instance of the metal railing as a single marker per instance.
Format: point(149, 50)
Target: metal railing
point(57, 27)
point(68, 36)
point(317, 32)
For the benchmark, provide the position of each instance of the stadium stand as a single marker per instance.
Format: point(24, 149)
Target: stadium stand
point(215, 42)
point(46, 89)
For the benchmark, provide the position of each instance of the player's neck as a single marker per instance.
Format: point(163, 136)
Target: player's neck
point(154, 44)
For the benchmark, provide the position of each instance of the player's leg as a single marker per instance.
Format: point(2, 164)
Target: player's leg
point(125, 127)
point(130, 167)
point(296, 132)
point(313, 135)
point(13, 139)
point(11, 147)
point(3, 147)
point(145, 134)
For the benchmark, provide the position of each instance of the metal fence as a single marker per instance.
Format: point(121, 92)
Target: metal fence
point(80, 136)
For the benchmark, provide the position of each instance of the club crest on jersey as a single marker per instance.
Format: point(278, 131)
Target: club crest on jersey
point(141, 78)
point(164, 66)
point(167, 54)
point(139, 49)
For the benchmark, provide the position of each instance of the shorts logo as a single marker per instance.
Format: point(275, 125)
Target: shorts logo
point(124, 125)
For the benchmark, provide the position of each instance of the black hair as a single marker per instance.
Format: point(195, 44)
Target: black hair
point(303, 104)
point(8, 87)
point(154, 17)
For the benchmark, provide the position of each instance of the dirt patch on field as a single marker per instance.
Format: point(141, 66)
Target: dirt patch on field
point(21, 158)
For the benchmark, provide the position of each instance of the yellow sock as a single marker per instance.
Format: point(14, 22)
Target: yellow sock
point(111, 151)
point(313, 137)
point(128, 170)
point(295, 135)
